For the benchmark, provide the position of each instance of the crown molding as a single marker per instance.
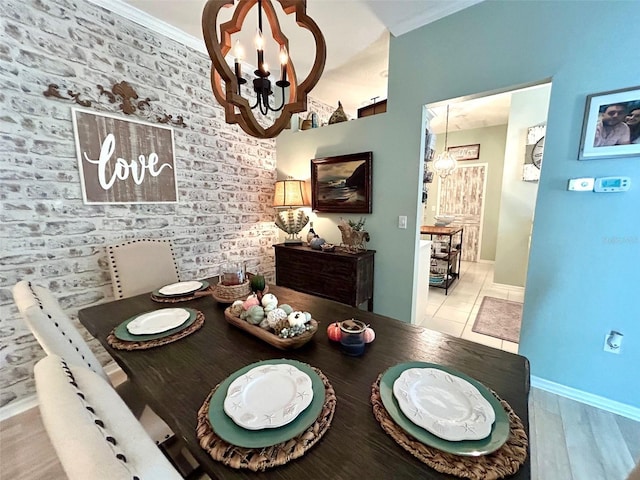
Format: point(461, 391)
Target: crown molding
point(152, 23)
point(436, 11)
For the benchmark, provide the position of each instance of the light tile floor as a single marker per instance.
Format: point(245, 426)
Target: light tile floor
point(455, 313)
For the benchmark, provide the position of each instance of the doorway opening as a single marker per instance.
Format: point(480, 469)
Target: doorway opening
point(491, 194)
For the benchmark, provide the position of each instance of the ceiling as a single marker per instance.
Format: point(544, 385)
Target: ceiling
point(357, 51)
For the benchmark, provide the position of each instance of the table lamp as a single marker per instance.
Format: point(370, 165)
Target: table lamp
point(291, 194)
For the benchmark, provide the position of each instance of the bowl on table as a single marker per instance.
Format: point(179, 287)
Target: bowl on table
point(444, 220)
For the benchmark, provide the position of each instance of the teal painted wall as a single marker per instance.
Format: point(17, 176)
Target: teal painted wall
point(394, 247)
point(584, 269)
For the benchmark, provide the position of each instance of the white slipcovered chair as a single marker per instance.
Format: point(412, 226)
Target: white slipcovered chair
point(139, 266)
point(57, 335)
point(93, 432)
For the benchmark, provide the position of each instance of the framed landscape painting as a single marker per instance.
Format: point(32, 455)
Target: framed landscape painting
point(342, 184)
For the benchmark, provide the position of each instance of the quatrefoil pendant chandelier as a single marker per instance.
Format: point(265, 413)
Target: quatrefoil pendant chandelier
point(226, 83)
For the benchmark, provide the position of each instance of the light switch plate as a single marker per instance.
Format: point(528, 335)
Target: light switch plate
point(581, 184)
point(402, 221)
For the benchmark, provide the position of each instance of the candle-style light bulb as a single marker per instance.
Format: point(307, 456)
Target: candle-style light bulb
point(259, 40)
point(284, 55)
point(284, 59)
point(238, 51)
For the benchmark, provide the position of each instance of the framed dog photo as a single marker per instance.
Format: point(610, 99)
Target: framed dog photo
point(611, 125)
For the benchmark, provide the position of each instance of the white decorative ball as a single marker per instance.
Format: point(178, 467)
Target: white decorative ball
point(296, 319)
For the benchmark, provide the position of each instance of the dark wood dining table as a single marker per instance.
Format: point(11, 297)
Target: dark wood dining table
point(176, 378)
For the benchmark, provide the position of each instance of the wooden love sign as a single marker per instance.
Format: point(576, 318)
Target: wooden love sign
point(124, 161)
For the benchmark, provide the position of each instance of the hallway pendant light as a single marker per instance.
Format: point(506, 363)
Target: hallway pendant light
point(227, 82)
point(444, 164)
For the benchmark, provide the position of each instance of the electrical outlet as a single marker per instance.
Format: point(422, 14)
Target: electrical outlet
point(402, 221)
point(610, 346)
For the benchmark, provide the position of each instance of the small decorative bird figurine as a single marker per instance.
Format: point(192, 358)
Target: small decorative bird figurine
point(338, 116)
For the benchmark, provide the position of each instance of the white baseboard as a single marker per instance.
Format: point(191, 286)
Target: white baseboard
point(18, 407)
point(590, 399)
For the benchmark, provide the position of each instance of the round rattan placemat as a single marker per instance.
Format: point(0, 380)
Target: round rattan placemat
point(197, 294)
point(260, 459)
point(505, 461)
point(118, 344)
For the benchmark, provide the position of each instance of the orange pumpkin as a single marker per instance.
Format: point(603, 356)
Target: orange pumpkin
point(369, 335)
point(333, 332)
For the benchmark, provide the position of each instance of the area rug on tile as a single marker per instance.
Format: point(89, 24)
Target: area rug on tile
point(499, 318)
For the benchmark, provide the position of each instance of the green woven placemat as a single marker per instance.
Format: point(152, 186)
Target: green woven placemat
point(505, 461)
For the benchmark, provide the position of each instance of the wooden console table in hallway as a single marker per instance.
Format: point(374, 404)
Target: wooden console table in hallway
point(451, 255)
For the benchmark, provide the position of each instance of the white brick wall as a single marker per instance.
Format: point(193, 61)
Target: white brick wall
point(225, 178)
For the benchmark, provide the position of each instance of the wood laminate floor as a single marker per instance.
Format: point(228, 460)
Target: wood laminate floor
point(569, 441)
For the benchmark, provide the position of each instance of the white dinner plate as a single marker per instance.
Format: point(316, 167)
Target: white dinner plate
point(180, 288)
point(268, 396)
point(158, 321)
point(443, 404)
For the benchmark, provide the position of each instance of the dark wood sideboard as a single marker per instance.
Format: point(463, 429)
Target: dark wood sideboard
point(340, 276)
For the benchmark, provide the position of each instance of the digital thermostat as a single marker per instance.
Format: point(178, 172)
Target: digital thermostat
point(612, 184)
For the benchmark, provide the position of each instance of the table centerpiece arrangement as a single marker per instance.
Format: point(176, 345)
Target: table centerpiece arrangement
point(277, 324)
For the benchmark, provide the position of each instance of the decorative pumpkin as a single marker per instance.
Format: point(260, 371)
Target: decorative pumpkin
point(250, 302)
point(276, 315)
point(369, 335)
point(316, 243)
point(287, 308)
point(255, 315)
point(264, 324)
point(257, 283)
point(236, 308)
point(296, 319)
point(307, 317)
point(269, 301)
point(333, 332)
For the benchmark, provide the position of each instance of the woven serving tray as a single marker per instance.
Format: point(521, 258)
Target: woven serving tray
point(270, 338)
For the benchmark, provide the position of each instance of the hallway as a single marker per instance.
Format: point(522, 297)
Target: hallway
point(455, 313)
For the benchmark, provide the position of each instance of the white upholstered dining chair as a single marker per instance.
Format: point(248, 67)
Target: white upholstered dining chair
point(139, 266)
point(93, 432)
point(57, 335)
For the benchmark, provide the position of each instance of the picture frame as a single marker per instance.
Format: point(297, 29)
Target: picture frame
point(342, 183)
point(465, 152)
point(124, 161)
point(601, 135)
point(429, 145)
